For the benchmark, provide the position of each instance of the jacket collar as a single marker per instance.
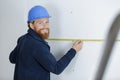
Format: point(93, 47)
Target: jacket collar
point(36, 36)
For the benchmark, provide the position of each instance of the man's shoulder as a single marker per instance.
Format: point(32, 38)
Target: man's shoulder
point(29, 40)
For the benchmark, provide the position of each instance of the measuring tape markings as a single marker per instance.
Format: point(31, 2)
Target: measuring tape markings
point(85, 40)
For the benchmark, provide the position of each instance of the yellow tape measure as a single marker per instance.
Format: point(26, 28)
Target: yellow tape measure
point(85, 40)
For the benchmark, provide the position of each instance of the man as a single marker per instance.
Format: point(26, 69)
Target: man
point(31, 56)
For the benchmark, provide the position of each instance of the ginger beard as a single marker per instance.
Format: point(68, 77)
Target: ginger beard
point(44, 33)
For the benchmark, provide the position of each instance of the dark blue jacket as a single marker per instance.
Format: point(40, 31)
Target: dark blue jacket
point(33, 60)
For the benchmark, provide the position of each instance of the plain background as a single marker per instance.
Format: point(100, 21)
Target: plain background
point(82, 19)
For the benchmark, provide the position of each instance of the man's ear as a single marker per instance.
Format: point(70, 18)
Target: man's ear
point(31, 26)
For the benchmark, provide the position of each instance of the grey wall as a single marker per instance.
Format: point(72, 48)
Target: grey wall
point(83, 19)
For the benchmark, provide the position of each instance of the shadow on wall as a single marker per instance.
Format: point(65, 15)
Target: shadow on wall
point(55, 21)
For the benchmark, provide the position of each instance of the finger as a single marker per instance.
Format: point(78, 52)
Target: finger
point(78, 42)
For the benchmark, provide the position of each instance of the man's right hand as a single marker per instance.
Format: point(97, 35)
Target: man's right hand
point(77, 45)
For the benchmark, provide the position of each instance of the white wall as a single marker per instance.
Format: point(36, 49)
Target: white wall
point(83, 19)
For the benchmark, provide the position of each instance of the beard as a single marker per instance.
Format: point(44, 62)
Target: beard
point(44, 33)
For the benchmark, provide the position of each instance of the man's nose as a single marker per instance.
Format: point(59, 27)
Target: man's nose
point(46, 25)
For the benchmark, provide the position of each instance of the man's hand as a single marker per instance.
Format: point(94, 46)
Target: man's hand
point(77, 45)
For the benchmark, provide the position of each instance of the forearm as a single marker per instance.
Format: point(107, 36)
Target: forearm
point(65, 60)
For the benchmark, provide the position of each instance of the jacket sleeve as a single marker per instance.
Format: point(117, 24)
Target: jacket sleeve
point(13, 54)
point(48, 61)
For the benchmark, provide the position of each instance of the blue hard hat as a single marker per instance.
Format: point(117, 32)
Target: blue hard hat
point(37, 12)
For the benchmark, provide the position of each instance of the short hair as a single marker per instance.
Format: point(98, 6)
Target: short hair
point(30, 22)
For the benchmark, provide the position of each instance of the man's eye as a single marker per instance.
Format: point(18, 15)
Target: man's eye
point(47, 22)
point(40, 23)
